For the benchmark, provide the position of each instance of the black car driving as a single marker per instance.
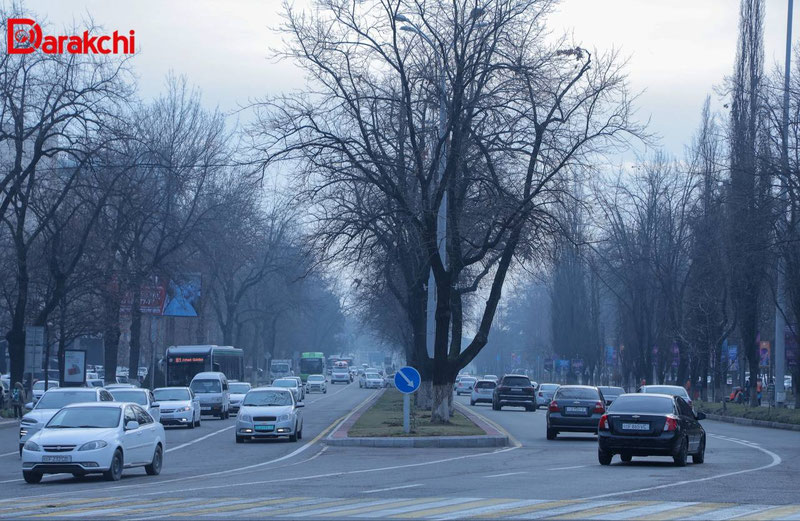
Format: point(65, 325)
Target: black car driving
point(651, 425)
point(575, 408)
point(516, 390)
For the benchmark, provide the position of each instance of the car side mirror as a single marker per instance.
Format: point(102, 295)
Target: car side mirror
point(131, 425)
point(299, 404)
point(700, 415)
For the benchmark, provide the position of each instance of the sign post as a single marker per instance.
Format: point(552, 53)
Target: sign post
point(407, 381)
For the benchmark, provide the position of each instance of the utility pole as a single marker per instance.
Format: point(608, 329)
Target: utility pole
point(780, 321)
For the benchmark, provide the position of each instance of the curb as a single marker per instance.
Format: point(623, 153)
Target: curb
point(753, 423)
point(492, 438)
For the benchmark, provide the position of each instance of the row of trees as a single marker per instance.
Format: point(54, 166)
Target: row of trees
point(101, 192)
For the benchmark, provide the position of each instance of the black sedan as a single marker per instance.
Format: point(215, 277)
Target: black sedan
point(575, 408)
point(651, 425)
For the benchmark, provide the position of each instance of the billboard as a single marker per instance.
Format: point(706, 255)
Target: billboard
point(74, 367)
point(763, 353)
point(173, 297)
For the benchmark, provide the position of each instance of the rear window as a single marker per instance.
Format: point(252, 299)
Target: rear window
point(485, 385)
point(641, 403)
point(469, 380)
point(611, 391)
point(666, 389)
point(548, 387)
point(516, 381)
point(576, 393)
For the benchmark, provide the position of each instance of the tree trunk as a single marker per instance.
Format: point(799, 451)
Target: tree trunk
point(440, 406)
point(111, 333)
point(136, 329)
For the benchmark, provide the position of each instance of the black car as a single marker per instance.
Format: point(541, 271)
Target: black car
point(651, 425)
point(516, 390)
point(575, 408)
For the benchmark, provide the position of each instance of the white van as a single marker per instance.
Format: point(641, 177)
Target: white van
point(212, 391)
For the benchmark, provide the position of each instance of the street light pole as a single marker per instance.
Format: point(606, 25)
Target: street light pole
point(780, 320)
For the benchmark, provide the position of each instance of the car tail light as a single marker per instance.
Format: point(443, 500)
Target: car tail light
point(502, 388)
point(599, 407)
point(553, 406)
point(603, 425)
point(540, 393)
point(671, 424)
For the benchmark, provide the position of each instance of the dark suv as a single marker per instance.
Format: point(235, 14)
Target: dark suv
point(516, 390)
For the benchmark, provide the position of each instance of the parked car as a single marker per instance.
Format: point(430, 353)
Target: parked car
point(143, 397)
point(672, 390)
point(545, 393)
point(610, 393)
point(269, 412)
point(91, 438)
point(95, 382)
point(482, 391)
point(290, 384)
point(179, 406)
point(575, 408)
point(50, 403)
point(651, 425)
point(212, 391)
point(317, 383)
point(515, 390)
point(238, 390)
point(370, 380)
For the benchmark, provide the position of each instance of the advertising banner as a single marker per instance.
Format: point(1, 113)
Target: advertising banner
point(159, 296)
point(763, 353)
point(74, 367)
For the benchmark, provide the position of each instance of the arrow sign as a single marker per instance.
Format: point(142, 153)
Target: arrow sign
point(407, 380)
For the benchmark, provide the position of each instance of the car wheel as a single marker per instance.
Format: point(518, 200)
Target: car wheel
point(700, 457)
point(239, 439)
point(115, 471)
point(551, 433)
point(495, 407)
point(293, 436)
point(604, 457)
point(20, 449)
point(472, 402)
point(154, 468)
point(530, 408)
point(680, 457)
point(191, 424)
point(626, 457)
point(300, 434)
point(32, 477)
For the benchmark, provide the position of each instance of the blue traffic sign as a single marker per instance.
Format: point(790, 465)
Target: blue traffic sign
point(407, 380)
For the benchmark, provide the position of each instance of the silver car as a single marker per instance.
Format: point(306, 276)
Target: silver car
point(292, 385)
point(301, 385)
point(370, 381)
point(238, 391)
point(179, 406)
point(269, 412)
point(482, 391)
point(545, 393)
point(143, 397)
point(317, 383)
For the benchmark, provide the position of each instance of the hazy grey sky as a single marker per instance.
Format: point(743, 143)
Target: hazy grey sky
point(679, 49)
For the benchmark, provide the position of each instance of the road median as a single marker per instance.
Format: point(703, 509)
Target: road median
point(379, 423)
point(786, 419)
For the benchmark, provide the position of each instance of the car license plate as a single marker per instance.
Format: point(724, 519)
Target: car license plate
point(265, 428)
point(516, 390)
point(576, 410)
point(636, 426)
point(56, 459)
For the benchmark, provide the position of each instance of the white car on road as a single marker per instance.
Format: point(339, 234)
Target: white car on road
point(269, 412)
point(370, 381)
point(38, 389)
point(143, 397)
point(91, 438)
point(317, 382)
point(179, 406)
point(51, 402)
point(238, 391)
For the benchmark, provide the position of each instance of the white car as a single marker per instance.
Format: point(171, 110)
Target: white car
point(482, 391)
point(340, 374)
point(91, 438)
point(238, 391)
point(317, 382)
point(38, 389)
point(143, 397)
point(179, 406)
point(291, 384)
point(370, 381)
point(51, 402)
point(269, 412)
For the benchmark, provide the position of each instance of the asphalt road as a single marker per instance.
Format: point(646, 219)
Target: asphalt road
point(749, 473)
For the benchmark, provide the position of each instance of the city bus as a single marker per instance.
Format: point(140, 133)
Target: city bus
point(311, 363)
point(184, 362)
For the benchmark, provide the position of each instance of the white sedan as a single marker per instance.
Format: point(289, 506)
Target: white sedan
point(179, 406)
point(88, 438)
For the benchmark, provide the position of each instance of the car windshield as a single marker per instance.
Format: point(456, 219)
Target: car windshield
point(280, 368)
point(39, 386)
point(316, 378)
point(267, 399)
point(576, 393)
point(373, 375)
point(239, 388)
point(165, 395)
point(637, 403)
point(51, 400)
point(85, 418)
point(666, 389)
point(206, 386)
point(284, 383)
point(516, 381)
point(96, 383)
point(126, 395)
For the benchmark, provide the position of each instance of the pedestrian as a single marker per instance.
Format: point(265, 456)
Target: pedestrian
point(759, 389)
point(18, 399)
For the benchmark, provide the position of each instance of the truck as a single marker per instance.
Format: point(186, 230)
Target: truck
point(280, 369)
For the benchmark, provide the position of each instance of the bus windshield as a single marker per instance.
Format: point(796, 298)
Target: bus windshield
point(181, 369)
point(311, 365)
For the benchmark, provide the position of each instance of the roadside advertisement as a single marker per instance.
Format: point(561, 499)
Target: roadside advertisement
point(74, 367)
point(160, 296)
point(792, 354)
point(763, 353)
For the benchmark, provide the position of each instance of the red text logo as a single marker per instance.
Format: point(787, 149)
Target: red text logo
point(24, 36)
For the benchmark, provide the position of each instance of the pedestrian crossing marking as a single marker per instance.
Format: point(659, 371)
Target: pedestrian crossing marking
point(438, 508)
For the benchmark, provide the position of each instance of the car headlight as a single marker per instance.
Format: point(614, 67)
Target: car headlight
point(283, 418)
point(93, 445)
point(245, 418)
point(32, 446)
point(183, 409)
point(28, 421)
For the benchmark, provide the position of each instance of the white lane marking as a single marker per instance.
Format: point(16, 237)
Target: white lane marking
point(390, 488)
point(11, 480)
point(201, 438)
point(569, 468)
point(9, 454)
point(776, 460)
point(348, 506)
point(505, 474)
point(326, 395)
point(724, 514)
